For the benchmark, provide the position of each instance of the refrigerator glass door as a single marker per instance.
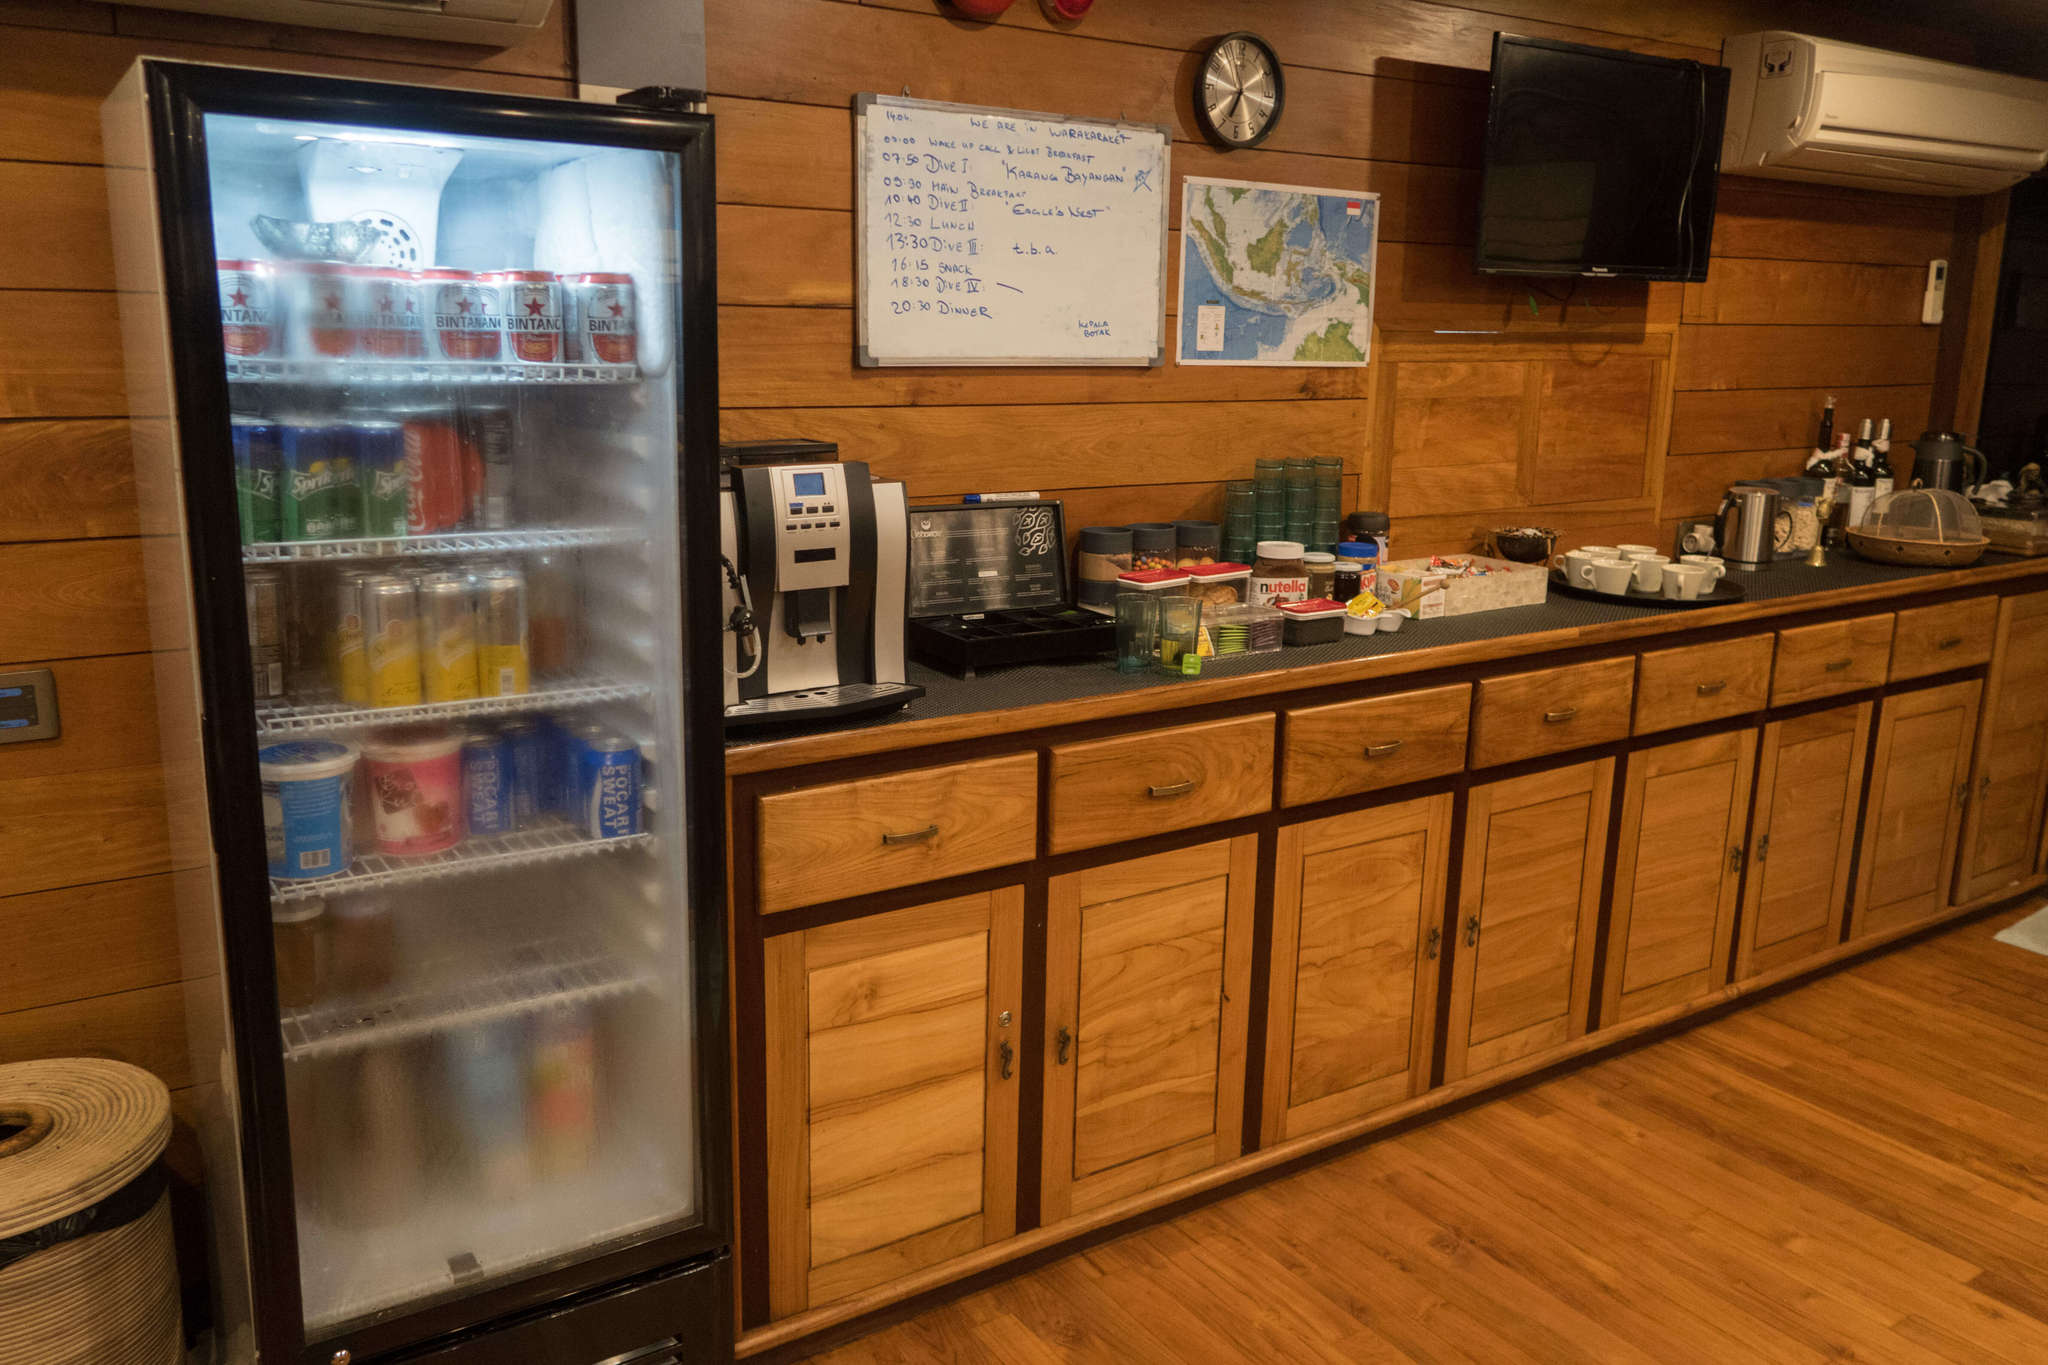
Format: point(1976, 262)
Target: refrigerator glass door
point(452, 369)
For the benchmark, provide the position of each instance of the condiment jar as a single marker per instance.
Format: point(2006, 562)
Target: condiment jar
point(298, 936)
point(1279, 573)
point(1322, 572)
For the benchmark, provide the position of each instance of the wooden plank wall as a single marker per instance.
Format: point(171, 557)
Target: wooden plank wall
point(89, 961)
point(1811, 290)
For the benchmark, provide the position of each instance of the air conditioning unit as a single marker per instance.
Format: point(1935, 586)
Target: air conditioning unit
point(1804, 108)
point(488, 23)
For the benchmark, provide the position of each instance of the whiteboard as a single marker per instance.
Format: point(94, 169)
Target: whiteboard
point(995, 237)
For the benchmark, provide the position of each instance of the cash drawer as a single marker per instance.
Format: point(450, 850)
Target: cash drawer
point(1691, 684)
point(1525, 715)
point(1929, 640)
point(1358, 746)
point(877, 833)
point(1831, 658)
point(1105, 791)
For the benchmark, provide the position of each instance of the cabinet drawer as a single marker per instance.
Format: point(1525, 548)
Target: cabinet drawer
point(1830, 658)
point(1105, 791)
point(1695, 683)
point(1523, 715)
point(1936, 639)
point(850, 838)
point(1362, 746)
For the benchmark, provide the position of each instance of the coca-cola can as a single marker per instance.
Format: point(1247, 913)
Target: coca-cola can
point(248, 309)
point(391, 327)
point(606, 328)
point(532, 300)
point(323, 308)
point(435, 490)
point(465, 321)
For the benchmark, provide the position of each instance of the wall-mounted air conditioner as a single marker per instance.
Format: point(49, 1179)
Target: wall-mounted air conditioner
point(1803, 108)
point(490, 23)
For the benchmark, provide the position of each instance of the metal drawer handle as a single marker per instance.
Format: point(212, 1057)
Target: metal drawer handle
point(1950, 643)
point(1007, 1054)
point(1063, 1040)
point(1171, 789)
point(1391, 747)
point(1836, 665)
point(1472, 931)
point(1560, 715)
point(1436, 943)
point(916, 836)
point(1714, 688)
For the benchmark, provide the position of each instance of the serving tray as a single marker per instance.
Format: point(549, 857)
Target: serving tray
point(1724, 592)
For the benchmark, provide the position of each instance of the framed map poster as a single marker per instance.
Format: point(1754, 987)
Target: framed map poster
point(1275, 274)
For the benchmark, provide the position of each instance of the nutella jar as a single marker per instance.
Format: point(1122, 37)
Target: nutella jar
point(1278, 574)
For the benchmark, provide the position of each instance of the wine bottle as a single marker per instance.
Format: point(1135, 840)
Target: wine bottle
point(1824, 448)
point(1862, 478)
point(1882, 448)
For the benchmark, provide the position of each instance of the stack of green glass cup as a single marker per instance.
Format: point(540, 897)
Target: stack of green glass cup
point(1269, 485)
point(1329, 485)
point(1301, 499)
point(1240, 521)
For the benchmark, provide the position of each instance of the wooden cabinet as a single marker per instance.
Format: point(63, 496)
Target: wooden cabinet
point(1528, 902)
point(1358, 912)
point(892, 1049)
point(1105, 791)
point(2002, 825)
point(1809, 784)
point(849, 838)
point(1694, 684)
point(1349, 747)
point(1941, 639)
point(1147, 991)
point(1831, 658)
point(1677, 873)
point(1549, 710)
point(1912, 819)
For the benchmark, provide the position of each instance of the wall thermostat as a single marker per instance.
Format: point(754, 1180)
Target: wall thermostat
point(1937, 290)
point(28, 705)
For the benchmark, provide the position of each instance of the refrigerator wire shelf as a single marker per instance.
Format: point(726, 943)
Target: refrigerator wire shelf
point(549, 974)
point(402, 373)
point(551, 842)
point(441, 543)
point(279, 720)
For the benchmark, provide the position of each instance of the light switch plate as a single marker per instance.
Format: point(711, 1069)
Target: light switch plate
point(28, 705)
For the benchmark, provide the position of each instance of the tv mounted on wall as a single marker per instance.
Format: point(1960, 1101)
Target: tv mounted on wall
point(1599, 163)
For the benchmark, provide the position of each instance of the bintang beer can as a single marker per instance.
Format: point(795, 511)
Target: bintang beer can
point(391, 326)
point(248, 309)
point(436, 493)
point(323, 308)
point(601, 312)
point(391, 639)
point(448, 653)
point(504, 658)
point(465, 321)
point(532, 300)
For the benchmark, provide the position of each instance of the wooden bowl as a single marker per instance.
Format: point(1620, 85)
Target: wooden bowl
point(1929, 554)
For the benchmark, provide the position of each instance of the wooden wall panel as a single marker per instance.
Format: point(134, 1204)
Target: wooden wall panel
point(81, 941)
point(61, 357)
point(65, 480)
point(1806, 357)
point(1769, 419)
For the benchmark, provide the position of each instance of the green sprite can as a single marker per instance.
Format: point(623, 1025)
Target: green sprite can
point(380, 471)
point(321, 498)
point(256, 480)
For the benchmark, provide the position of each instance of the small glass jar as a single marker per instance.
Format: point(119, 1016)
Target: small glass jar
point(1322, 572)
point(364, 945)
point(1279, 573)
point(1348, 580)
point(298, 936)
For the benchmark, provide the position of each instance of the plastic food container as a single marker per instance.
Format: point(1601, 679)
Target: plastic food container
point(1318, 621)
point(1245, 629)
point(1219, 585)
point(307, 825)
point(414, 781)
point(1153, 582)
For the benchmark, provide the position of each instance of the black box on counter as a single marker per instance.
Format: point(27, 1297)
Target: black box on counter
point(988, 587)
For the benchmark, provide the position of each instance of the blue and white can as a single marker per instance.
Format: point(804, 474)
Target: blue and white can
point(608, 786)
point(307, 785)
point(527, 755)
point(487, 791)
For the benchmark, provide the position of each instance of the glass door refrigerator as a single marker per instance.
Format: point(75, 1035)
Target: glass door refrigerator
point(423, 395)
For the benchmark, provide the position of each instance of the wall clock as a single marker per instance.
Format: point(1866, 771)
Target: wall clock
point(1239, 90)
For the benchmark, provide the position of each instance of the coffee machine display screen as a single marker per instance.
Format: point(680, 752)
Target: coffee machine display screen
point(810, 485)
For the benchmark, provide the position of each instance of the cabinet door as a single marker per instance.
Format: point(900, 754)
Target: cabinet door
point(1912, 823)
point(1358, 909)
point(1147, 985)
point(2002, 825)
point(892, 1047)
point(1809, 783)
point(1528, 900)
point(1677, 873)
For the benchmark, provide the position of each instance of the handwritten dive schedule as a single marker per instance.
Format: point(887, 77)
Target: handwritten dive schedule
point(992, 237)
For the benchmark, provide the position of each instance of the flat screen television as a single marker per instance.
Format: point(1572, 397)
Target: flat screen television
point(1599, 163)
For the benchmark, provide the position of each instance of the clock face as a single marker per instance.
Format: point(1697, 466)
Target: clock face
point(1239, 91)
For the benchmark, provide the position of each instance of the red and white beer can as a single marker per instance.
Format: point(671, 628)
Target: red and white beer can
point(391, 326)
point(323, 308)
point(464, 319)
point(248, 308)
point(606, 329)
point(532, 300)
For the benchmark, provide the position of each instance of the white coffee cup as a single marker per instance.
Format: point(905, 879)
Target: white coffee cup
point(1650, 570)
point(1601, 551)
point(1633, 551)
point(1685, 582)
point(1576, 566)
point(1612, 576)
point(1711, 563)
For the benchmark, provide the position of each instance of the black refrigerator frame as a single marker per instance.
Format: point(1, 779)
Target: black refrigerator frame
point(180, 95)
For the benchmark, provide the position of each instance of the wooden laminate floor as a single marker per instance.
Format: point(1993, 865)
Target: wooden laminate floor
point(1855, 1171)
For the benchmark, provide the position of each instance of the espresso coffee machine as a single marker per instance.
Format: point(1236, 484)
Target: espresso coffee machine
point(813, 559)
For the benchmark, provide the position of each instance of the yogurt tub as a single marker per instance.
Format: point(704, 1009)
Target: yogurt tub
point(307, 790)
point(414, 796)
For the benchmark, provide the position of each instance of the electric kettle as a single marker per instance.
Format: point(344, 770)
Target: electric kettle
point(1943, 459)
point(1750, 529)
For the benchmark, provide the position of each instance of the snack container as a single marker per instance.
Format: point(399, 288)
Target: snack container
point(1318, 621)
point(1455, 585)
point(1153, 582)
point(1245, 629)
point(1219, 585)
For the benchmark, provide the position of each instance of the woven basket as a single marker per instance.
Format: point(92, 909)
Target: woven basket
point(78, 1131)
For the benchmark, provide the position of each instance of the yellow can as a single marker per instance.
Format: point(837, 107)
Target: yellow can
point(504, 652)
point(391, 639)
point(348, 665)
point(447, 638)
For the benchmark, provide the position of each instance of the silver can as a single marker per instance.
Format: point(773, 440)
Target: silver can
point(323, 305)
point(263, 590)
point(391, 641)
point(447, 638)
point(605, 322)
point(504, 649)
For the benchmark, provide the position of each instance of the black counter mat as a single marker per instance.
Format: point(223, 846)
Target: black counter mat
point(1001, 689)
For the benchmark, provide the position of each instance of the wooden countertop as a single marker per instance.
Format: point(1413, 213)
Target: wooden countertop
point(1561, 623)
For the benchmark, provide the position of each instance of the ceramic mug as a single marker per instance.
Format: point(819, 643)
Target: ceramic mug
point(1632, 551)
point(1650, 570)
point(1711, 563)
point(1612, 576)
point(1685, 582)
point(1576, 566)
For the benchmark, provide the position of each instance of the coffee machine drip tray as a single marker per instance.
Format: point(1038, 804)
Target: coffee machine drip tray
point(820, 704)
